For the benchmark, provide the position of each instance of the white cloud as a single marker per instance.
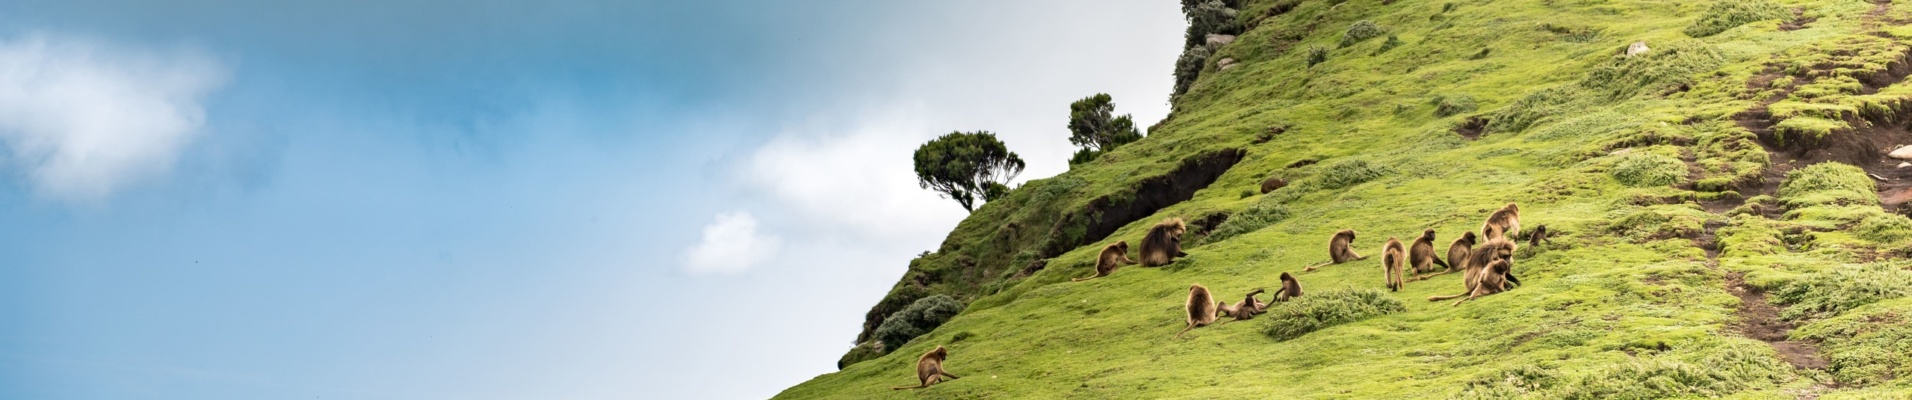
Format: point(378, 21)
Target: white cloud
point(731, 245)
point(80, 119)
point(863, 180)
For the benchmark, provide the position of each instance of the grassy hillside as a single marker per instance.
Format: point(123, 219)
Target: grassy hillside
point(1726, 216)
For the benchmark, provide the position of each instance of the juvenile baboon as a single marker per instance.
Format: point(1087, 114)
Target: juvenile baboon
point(1272, 184)
point(1163, 243)
point(929, 369)
point(1290, 288)
point(1112, 256)
point(1339, 250)
point(1394, 260)
point(1421, 254)
point(1491, 280)
point(1456, 254)
point(1201, 308)
point(1248, 308)
point(1506, 219)
point(1478, 259)
point(1539, 235)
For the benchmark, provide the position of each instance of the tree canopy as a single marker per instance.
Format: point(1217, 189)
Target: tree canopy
point(1094, 127)
point(966, 165)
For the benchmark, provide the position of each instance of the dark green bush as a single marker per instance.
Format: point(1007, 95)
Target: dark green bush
point(1189, 67)
point(1347, 173)
point(1211, 17)
point(1360, 31)
point(1317, 55)
point(1647, 169)
point(860, 353)
point(1265, 212)
point(919, 318)
point(1320, 310)
point(1729, 14)
point(1390, 44)
point(1842, 288)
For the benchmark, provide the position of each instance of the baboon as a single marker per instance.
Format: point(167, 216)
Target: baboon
point(1339, 250)
point(1272, 184)
point(1248, 308)
point(1456, 254)
point(1290, 288)
point(1113, 255)
point(1163, 243)
point(1491, 280)
point(929, 369)
point(1539, 235)
point(1506, 219)
point(1394, 260)
point(1201, 308)
point(1421, 254)
point(1478, 259)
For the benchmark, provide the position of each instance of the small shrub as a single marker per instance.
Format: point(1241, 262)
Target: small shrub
point(1534, 107)
point(1667, 66)
point(1266, 212)
point(1189, 67)
point(1247, 193)
point(1827, 183)
point(1083, 156)
point(1842, 288)
point(1729, 14)
point(862, 352)
point(1390, 44)
point(1347, 173)
point(1321, 310)
point(919, 318)
point(1317, 55)
point(1360, 31)
point(1647, 169)
point(1447, 106)
point(1484, 51)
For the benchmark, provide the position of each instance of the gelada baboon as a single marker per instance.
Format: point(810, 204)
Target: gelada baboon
point(1248, 308)
point(929, 369)
point(1421, 254)
point(1163, 243)
point(1394, 260)
point(1478, 259)
point(1201, 308)
point(1113, 256)
point(1456, 254)
point(1339, 250)
point(1504, 222)
point(1539, 235)
point(1272, 184)
point(1290, 288)
point(1491, 280)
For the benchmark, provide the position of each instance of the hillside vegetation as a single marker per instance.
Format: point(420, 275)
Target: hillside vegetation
point(1726, 219)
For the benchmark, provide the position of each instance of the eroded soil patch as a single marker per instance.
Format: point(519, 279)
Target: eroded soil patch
point(1759, 319)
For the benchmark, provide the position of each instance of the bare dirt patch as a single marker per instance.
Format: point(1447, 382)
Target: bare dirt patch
point(1759, 319)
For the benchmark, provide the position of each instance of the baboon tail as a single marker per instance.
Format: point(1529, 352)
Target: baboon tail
point(1439, 298)
point(1443, 264)
point(910, 387)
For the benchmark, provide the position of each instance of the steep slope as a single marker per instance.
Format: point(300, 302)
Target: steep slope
point(1720, 203)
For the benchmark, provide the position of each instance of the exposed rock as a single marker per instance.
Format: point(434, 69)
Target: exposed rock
point(1217, 41)
point(1638, 48)
point(1225, 63)
point(1905, 164)
point(1902, 153)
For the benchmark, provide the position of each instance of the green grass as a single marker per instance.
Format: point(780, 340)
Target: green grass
point(1625, 304)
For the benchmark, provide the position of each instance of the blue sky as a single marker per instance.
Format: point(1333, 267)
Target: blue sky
point(499, 199)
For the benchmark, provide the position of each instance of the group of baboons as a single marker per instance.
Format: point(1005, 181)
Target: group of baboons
point(1486, 268)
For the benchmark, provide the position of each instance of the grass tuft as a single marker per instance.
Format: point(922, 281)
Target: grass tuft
point(1827, 183)
point(1729, 14)
point(1842, 288)
point(1647, 169)
point(1320, 310)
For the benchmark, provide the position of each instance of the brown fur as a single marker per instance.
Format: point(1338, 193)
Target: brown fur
point(1248, 308)
point(1163, 243)
point(1201, 308)
point(1112, 257)
point(1456, 254)
point(929, 369)
point(1539, 235)
point(1394, 260)
point(1290, 288)
point(1479, 259)
point(1421, 254)
point(1492, 279)
point(1272, 184)
point(1504, 222)
point(1340, 249)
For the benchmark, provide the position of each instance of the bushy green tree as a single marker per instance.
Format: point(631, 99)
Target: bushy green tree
point(1188, 67)
point(1094, 126)
point(1209, 17)
point(964, 165)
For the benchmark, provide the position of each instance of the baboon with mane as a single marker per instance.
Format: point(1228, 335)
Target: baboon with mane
point(1394, 260)
point(1163, 243)
point(1112, 256)
point(1201, 308)
point(929, 369)
point(1504, 222)
point(1340, 250)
